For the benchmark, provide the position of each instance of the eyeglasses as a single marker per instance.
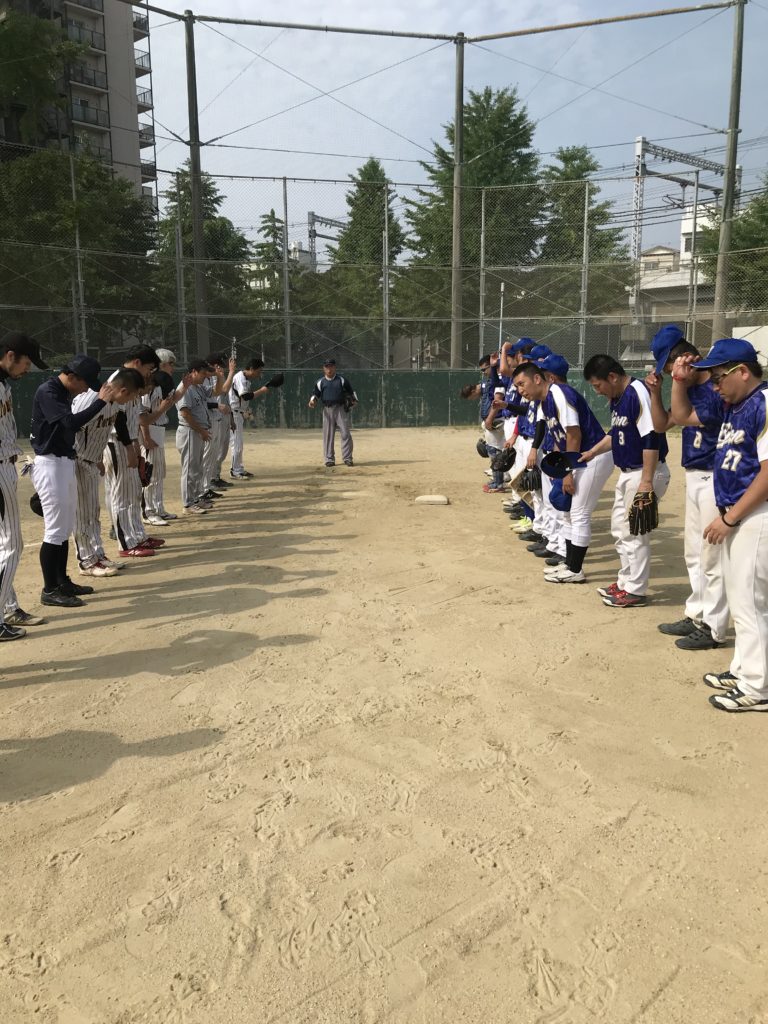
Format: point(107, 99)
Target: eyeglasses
point(715, 379)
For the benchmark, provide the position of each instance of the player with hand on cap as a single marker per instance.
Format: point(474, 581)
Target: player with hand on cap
point(17, 354)
point(741, 523)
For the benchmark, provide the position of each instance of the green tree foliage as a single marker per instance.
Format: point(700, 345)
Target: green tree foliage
point(229, 269)
point(748, 265)
point(33, 55)
point(555, 288)
point(38, 218)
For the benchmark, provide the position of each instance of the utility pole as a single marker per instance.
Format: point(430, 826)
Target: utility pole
point(80, 326)
point(202, 336)
point(584, 280)
point(181, 301)
point(729, 183)
point(690, 326)
point(458, 160)
point(286, 280)
point(481, 339)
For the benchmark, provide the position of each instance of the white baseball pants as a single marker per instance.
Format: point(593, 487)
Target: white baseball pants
point(745, 570)
point(590, 481)
point(53, 477)
point(153, 493)
point(90, 548)
point(237, 442)
point(123, 488)
point(634, 552)
point(707, 601)
point(11, 542)
point(552, 519)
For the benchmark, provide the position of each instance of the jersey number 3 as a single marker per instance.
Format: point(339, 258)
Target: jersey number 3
point(731, 460)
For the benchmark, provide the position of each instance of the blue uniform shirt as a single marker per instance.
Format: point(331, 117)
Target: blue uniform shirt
point(699, 443)
point(526, 425)
point(54, 425)
point(632, 430)
point(565, 407)
point(741, 446)
point(486, 393)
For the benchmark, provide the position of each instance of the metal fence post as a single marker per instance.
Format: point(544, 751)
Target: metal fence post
point(181, 301)
point(584, 280)
point(286, 279)
point(692, 277)
point(481, 340)
point(385, 292)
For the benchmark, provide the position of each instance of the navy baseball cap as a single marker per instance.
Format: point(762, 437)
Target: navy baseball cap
point(540, 352)
point(329, 362)
point(86, 368)
point(664, 340)
point(558, 498)
point(555, 364)
point(559, 464)
point(23, 345)
point(728, 350)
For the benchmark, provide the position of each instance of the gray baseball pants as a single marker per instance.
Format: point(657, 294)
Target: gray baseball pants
point(336, 416)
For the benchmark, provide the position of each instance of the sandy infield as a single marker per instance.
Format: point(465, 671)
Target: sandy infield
point(334, 757)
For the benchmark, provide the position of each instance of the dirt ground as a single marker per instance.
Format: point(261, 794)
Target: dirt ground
point(334, 757)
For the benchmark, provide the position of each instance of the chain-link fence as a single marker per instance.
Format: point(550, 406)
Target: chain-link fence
point(297, 270)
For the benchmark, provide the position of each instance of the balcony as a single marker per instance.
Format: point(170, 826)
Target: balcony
point(85, 114)
point(146, 134)
point(144, 100)
point(140, 25)
point(149, 197)
point(148, 170)
point(85, 35)
point(141, 60)
point(84, 147)
point(91, 5)
point(81, 74)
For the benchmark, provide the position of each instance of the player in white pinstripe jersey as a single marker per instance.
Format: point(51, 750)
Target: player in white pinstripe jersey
point(155, 405)
point(17, 353)
point(90, 442)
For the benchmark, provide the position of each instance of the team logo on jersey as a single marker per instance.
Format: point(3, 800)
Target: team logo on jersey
point(619, 421)
point(730, 436)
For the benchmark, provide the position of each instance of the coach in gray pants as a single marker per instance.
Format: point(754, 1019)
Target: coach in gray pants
point(337, 397)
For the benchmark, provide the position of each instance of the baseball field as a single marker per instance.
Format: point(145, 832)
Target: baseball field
point(336, 758)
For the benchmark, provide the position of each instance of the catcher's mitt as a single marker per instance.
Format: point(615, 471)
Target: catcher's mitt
point(482, 448)
point(504, 460)
point(644, 513)
point(145, 471)
point(529, 480)
point(349, 403)
point(276, 382)
point(35, 504)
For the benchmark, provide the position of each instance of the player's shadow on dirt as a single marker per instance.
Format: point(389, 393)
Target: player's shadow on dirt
point(201, 651)
point(32, 767)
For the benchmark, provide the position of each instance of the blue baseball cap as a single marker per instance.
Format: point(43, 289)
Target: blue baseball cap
point(521, 344)
point(728, 350)
point(664, 340)
point(555, 364)
point(558, 498)
point(558, 465)
point(540, 352)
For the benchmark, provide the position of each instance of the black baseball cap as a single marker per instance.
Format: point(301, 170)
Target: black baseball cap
point(23, 345)
point(200, 364)
point(86, 368)
point(329, 362)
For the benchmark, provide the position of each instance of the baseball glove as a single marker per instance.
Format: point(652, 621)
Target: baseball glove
point(644, 513)
point(276, 382)
point(529, 480)
point(504, 460)
point(482, 448)
point(349, 403)
point(145, 471)
point(164, 381)
point(35, 504)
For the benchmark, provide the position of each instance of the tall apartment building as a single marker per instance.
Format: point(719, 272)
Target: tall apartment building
point(108, 110)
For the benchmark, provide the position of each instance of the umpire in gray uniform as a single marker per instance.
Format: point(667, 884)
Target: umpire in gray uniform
point(337, 397)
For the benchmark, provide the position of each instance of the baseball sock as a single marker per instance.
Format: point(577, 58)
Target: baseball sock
point(63, 557)
point(576, 558)
point(49, 563)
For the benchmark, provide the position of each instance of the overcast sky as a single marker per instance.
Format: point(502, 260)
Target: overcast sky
point(679, 66)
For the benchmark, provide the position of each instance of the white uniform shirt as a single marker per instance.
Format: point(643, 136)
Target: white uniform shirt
point(132, 412)
point(91, 439)
point(240, 385)
point(9, 446)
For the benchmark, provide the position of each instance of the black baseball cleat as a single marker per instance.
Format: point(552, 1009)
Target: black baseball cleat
point(60, 600)
point(76, 589)
point(538, 546)
point(684, 627)
point(210, 494)
point(700, 640)
point(531, 535)
point(542, 552)
point(11, 632)
point(330, 465)
point(218, 482)
point(555, 560)
point(246, 474)
point(348, 462)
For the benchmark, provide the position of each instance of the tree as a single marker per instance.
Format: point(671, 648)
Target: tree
point(498, 154)
point(268, 258)
point(38, 261)
point(229, 270)
point(33, 55)
point(557, 286)
point(748, 265)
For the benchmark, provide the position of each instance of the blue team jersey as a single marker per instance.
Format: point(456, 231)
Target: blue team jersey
point(565, 407)
point(699, 443)
point(526, 425)
point(510, 395)
point(486, 395)
point(632, 430)
point(741, 446)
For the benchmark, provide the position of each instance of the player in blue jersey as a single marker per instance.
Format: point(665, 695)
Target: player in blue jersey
point(572, 427)
point(640, 453)
point(705, 621)
point(741, 525)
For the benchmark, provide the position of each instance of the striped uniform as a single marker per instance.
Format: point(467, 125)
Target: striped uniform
point(211, 448)
point(240, 386)
point(153, 493)
point(122, 483)
point(90, 442)
point(11, 543)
